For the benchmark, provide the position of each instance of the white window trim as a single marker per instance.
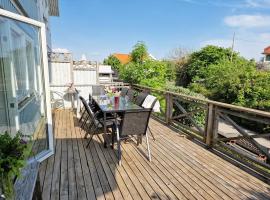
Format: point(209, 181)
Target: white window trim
point(45, 154)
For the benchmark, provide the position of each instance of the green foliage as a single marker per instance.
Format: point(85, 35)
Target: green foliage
point(199, 60)
point(150, 73)
point(139, 53)
point(223, 75)
point(131, 73)
point(237, 83)
point(112, 61)
point(199, 117)
point(181, 90)
point(170, 70)
point(13, 152)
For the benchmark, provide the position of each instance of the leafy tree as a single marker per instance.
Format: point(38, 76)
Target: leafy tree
point(139, 53)
point(112, 61)
point(131, 73)
point(154, 73)
point(197, 61)
point(142, 70)
point(236, 82)
point(150, 73)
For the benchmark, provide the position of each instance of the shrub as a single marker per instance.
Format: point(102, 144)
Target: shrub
point(199, 60)
point(13, 152)
point(236, 83)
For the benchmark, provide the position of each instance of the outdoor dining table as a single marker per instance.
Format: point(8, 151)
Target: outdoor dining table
point(113, 105)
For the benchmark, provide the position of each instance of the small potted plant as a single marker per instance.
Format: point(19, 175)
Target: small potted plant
point(13, 154)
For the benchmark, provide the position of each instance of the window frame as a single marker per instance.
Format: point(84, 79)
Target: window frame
point(43, 42)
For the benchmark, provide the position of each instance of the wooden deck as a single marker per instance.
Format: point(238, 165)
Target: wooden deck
point(180, 169)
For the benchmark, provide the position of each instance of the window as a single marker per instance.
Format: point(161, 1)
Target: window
point(104, 75)
point(267, 58)
point(24, 94)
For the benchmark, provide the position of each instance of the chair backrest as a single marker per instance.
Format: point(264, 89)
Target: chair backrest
point(131, 94)
point(124, 91)
point(92, 102)
point(135, 122)
point(85, 105)
point(98, 90)
point(149, 102)
point(89, 110)
point(140, 98)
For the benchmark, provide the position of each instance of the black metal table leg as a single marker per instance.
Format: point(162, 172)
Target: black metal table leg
point(105, 130)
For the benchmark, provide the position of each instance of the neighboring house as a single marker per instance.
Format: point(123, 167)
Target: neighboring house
point(123, 58)
point(105, 74)
point(265, 62)
point(266, 53)
point(24, 84)
point(126, 58)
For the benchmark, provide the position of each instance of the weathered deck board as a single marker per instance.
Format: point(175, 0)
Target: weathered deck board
point(180, 169)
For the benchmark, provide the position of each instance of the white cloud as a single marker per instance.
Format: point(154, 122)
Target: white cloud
point(241, 4)
point(258, 3)
point(247, 21)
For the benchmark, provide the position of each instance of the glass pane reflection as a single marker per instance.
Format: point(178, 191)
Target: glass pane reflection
point(22, 95)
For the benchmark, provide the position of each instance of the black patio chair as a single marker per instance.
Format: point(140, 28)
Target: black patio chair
point(94, 108)
point(140, 98)
point(134, 123)
point(95, 126)
point(124, 91)
point(85, 116)
point(131, 95)
point(93, 123)
point(92, 105)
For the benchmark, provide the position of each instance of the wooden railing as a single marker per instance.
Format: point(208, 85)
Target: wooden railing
point(242, 133)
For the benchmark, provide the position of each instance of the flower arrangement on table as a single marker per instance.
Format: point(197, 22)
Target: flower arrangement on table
point(111, 92)
point(13, 154)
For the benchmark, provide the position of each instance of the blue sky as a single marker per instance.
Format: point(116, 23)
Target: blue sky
point(98, 28)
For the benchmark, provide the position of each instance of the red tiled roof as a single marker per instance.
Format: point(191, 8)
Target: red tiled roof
point(267, 51)
point(123, 58)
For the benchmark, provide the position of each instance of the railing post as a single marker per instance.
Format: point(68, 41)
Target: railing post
point(211, 125)
point(169, 107)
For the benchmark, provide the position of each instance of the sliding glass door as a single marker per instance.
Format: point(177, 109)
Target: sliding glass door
point(24, 92)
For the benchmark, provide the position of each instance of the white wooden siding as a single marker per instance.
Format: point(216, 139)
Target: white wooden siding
point(85, 77)
point(60, 73)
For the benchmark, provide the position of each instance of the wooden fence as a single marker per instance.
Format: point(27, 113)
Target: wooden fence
point(239, 132)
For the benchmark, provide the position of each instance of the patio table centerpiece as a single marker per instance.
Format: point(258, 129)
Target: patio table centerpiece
point(112, 93)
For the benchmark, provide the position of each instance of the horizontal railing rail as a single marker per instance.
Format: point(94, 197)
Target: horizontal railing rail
point(239, 132)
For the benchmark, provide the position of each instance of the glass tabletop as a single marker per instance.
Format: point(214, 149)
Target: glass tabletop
point(112, 104)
